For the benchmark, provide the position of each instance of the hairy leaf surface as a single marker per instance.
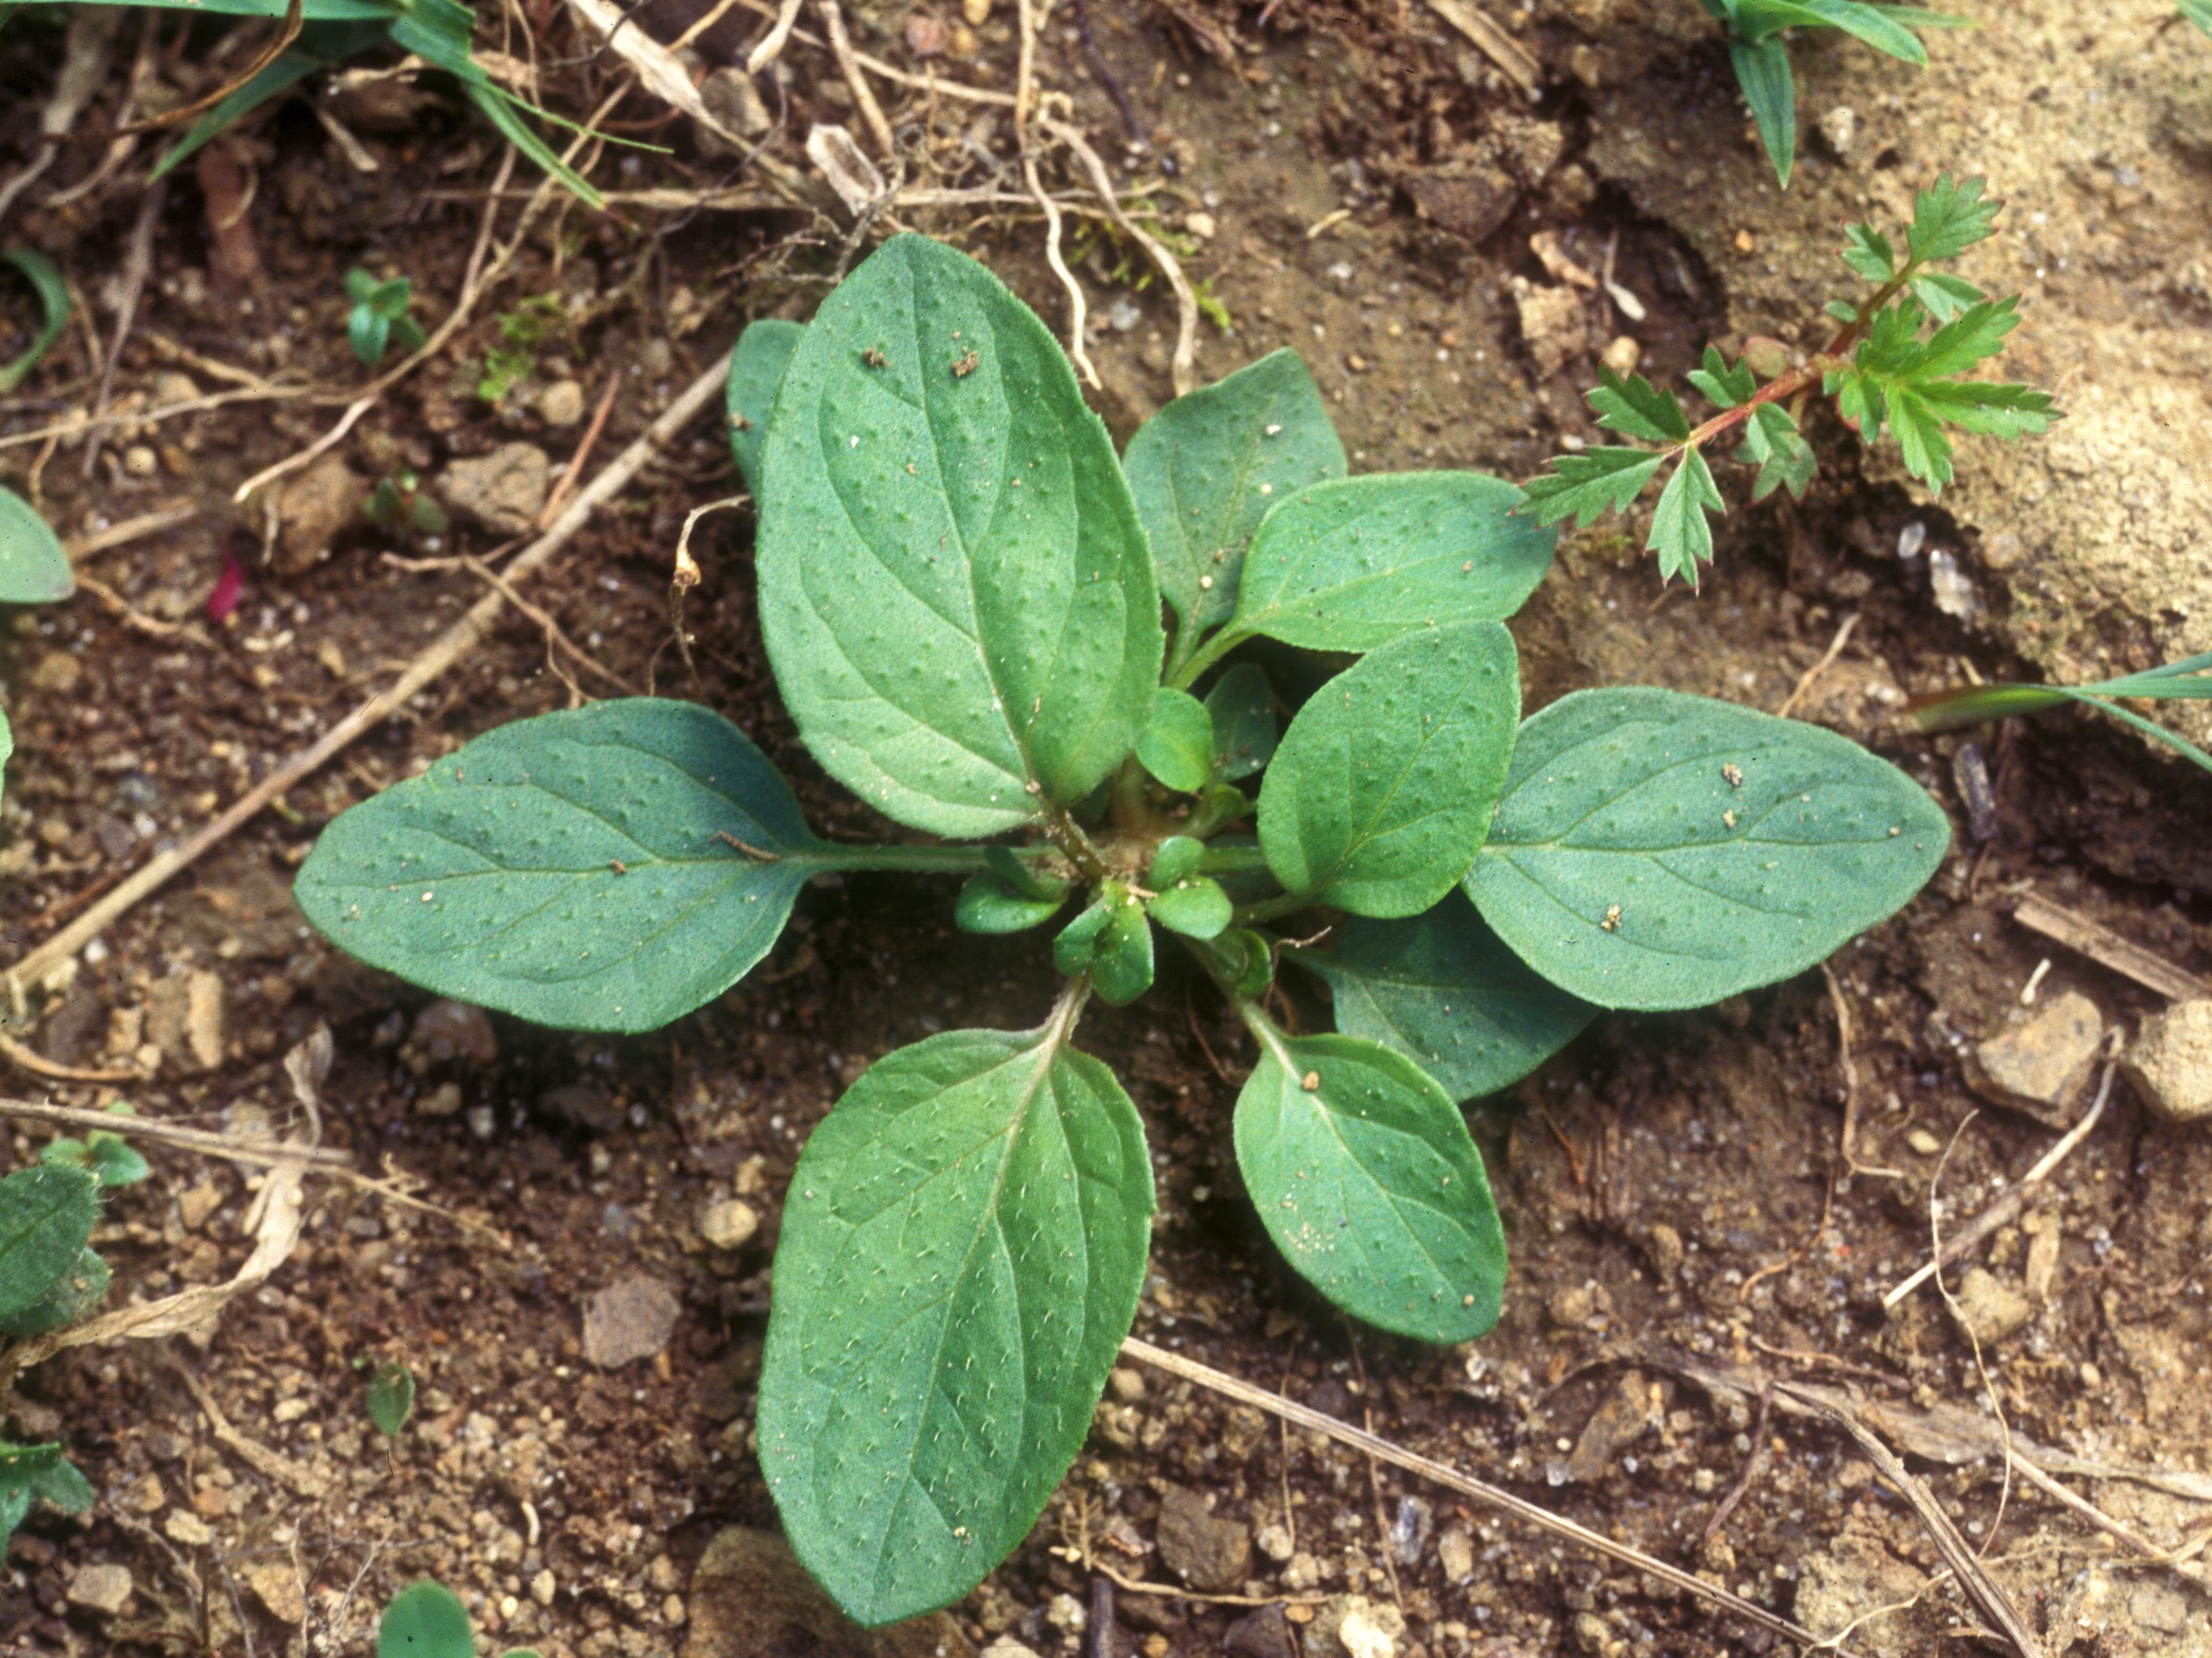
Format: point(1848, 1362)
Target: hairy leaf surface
point(72, 1297)
point(757, 370)
point(1206, 469)
point(1178, 744)
point(1384, 783)
point(954, 591)
point(1352, 565)
point(962, 1246)
point(33, 568)
point(1443, 989)
point(1655, 850)
point(604, 868)
point(47, 1216)
point(1364, 1174)
point(1242, 706)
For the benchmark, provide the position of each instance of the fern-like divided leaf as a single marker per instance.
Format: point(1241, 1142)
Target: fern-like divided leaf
point(1910, 384)
point(1948, 217)
point(1679, 534)
point(1585, 487)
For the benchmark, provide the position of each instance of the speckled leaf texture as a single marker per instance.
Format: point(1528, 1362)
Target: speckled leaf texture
point(1208, 467)
point(604, 868)
point(1351, 565)
point(1444, 990)
point(1371, 1186)
point(757, 366)
point(46, 1217)
point(1655, 850)
point(963, 1247)
point(954, 591)
point(1381, 788)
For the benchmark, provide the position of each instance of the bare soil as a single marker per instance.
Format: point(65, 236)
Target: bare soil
point(1357, 182)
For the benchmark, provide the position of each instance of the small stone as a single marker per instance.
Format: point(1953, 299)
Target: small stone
point(277, 1586)
point(503, 491)
point(630, 1319)
point(1990, 1309)
point(562, 403)
point(57, 672)
point(448, 1029)
point(542, 1587)
point(1006, 1647)
point(1265, 1633)
point(291, 1410)
point(196, 1203)
point(1839, 126)
point(313, 510)
point(1617, 1423)
point(1201, 225)
point(655, 358)
point(1923, 1142)
point(1621, 354)
point(1572, 1306)
point(1352, 1626)
point(2041, 1275)
point(2170, 1063)
point(146, 1496)
point(1275, 1541)
point(1591, 1635)
point(728, 1223)
point(441, 1102)
point(1208, 1553)
point(977, 12)
point(187, 1528)
point(1551, 327)
point(1128, 1385)
point(2040, 1066)
point(750, 1595)
point(1409, 1531)
point(102, 1588)
point(672, 1609)
point(139, 461)
point(185, 1019)
point(210, 1502)
point(1455, 1554)
point(1065, 1613)
point(1468, 197)
point(1303, 1572)
point(924, 34)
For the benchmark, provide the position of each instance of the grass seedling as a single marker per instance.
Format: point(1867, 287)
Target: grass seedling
point(378, 320)
point(2190, 678)
point(1897, 362)
point(998, 633)
point(1760, 54)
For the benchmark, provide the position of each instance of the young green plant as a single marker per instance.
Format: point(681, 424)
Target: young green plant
point(1897, 362)
point(2189, 679)
point(1759, 53)
point(34, 569)
point(962, 591)
point(426, 1620)
point(379, 319)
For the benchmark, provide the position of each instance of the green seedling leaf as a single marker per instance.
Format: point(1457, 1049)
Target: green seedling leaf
point(53, 295)
point(115, 1160)
point(1948, 217)
point(33, 568)
point(1244, 960)
point(1762, 69)
point(1444, 990)
point(46, 1217)
point(1077, 942)
point(1207, 468)
point(1635, 408)
point(989, 904)
point(1177, 858)
point(955, 593)
point(757, 370)
point(30, 1474)
point(2198, 12)
point(604, 868)
point(1352, 565)
point(426, 1620)
point(1876, 26)
point(1196, 906)
point(1869, 255)
point(1178, 745)
point(1383, 786)
point(77, 1292)
point(1364, 1176)
point(1121, 963)
point(1241, 705)
point(368, 331)
point(1946, 296)
point(1771, 443)
point(2189, 679)
point(391, 1398)
point(1655, 850)
point(1585, 487)
point(1722, 386)
point(961, 1251)
point(1679, 534)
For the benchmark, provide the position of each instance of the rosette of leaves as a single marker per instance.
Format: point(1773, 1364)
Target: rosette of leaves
point(1758, 31)
point(379, 319)
point(1902, 362)
point(997, 632)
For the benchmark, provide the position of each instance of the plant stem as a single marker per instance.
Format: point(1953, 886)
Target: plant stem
point(919, 860)
point(1205, 656)
point(1267, 909)
point(1232, 861)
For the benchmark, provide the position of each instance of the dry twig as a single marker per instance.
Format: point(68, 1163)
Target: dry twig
point(1805, 680)
point(2108, 949)
point(1185, 362)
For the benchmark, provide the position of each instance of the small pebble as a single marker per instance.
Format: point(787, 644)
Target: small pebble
point(140, 461)
point(1622, 355)
point(1923, 1142)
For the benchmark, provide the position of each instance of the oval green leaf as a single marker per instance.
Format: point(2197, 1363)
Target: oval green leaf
point(1380, 791)
point(954, 591)
point(987, 904)
point(79, 1290)
point(1351, 565)
point(1364, 1175)
point(604, 868)
point(1206, 469)
point(962, 1246)
point(47, 1216)
point(763, 352)
point(1443, 989)
point(391, 1398)
point(1243, 707)
point(426, 1620)
point(1655, 850)
point(1196, 907)
point(1178, 746)
point(33, 568)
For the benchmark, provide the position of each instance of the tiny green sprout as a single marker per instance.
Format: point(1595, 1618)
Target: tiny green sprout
point(1760, 54)
point(1899, 362)
point(391, 1398)
point(2188, 679)
point(379, 319)
point(112, 1160)
point(1010, 640)
point(426, 1620)
point(399, 504)
point(45, 281)
point(523, 333)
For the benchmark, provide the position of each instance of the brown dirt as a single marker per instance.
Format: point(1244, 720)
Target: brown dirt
point(1650, 1175)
